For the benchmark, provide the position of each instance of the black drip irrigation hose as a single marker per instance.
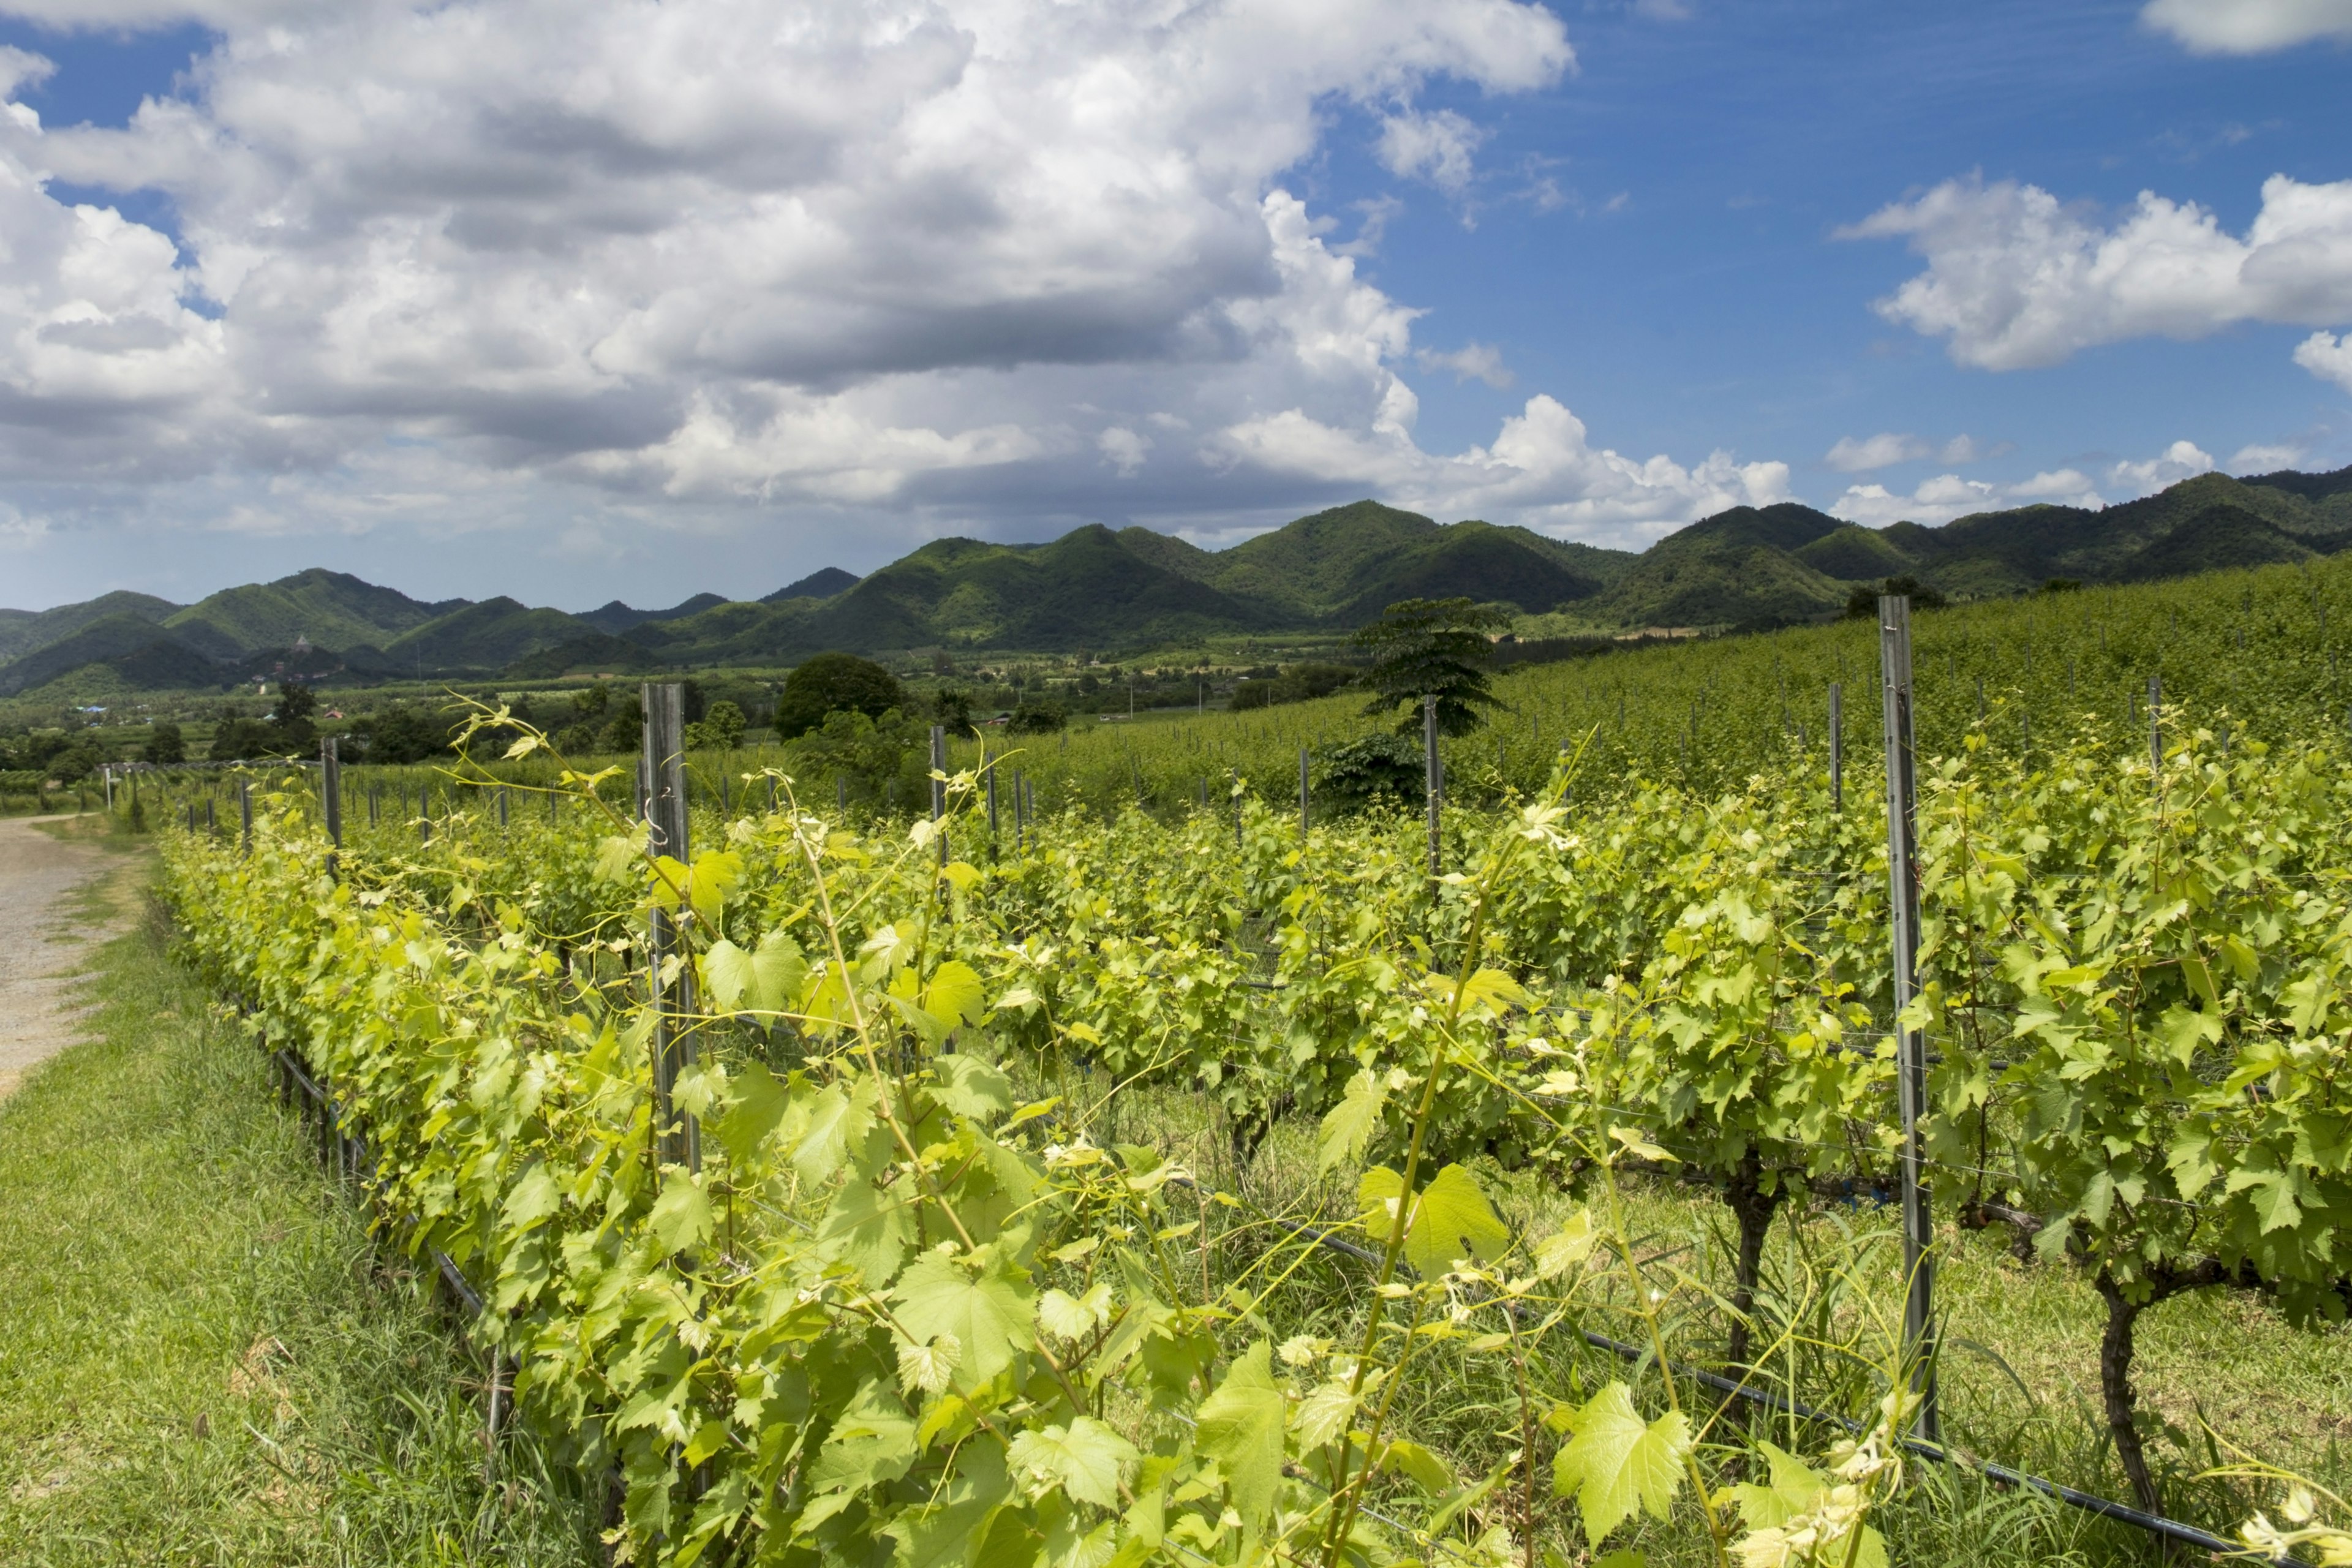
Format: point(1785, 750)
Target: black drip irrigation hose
point(2090, 1502)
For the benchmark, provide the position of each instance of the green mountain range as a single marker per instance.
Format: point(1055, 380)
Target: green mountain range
point(1133, 589)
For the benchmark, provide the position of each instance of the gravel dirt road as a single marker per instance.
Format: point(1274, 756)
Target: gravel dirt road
point(46, 936)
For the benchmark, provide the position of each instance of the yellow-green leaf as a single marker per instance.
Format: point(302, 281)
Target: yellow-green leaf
point(1240, 1429)
point(1617, 1463)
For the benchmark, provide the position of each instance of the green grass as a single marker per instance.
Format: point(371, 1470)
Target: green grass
point(203, 1358)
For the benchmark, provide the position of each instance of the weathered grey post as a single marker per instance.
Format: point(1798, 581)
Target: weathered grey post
point(988, 776)
point(2156, 727)
point(331, 791)
point(244, 815)
point(1303, 822)
point(939, 786)
point(1433, 779)
point(661, 766)
point(1911, 1053)
point(502, 808)
point(1837, 747)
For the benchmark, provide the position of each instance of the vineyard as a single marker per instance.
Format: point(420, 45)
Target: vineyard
point(1104, 1184)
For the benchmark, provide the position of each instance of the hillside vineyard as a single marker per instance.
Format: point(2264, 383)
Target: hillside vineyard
point(850, 1212)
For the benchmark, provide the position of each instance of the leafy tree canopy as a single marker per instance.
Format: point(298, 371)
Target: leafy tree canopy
point(401, 734)
point(1372, 770)
point(297, 728)
point(1862, 602)
point(1432, 647)
point(835, 683)
point(165, 743)
point(1038, 718)
point(721, 729)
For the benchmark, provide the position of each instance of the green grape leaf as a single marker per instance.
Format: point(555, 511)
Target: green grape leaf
point(955, 995)
point(1493, 991)
point(2275, 1194)
point(533, 1198)
point(824, 1124)
point(617, 858)
point(778, 973)
point(970, 1087)
point(946, 1530)
point(760, 1101)
point(725, 974)
point(1240, 1429)
point(1617, 1463)
point(867, 1227)
point(1794, 1482)
point(1425, 1469)
point(1451, 1219)
point(716, 873)
point(988, 1311)
point(872, 1442)
point(1084, 1461)
point(1347, 1126)
point(2183, 1031)
point(1068, 1316)
point(681, 1215)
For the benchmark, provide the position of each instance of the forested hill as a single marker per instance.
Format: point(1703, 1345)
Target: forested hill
point(1098, 589)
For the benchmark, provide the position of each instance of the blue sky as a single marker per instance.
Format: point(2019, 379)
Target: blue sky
point(638, 301)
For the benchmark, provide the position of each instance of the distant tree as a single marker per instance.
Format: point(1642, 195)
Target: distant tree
point(1862, 602)
point(2063, 586)
point(1299, 683)
point(625, 722)
point(835, 683)
point(1432, 647)
point(401, 734)
point(952, 710)
point(721, 729)
point(164, 743)
point(76, 760)
point(1372, 769)
point(298, 730)
point(879, 763)
point(1038, 718)
point(241, 740)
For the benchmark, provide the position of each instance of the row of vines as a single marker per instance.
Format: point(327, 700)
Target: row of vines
point(920, 1302)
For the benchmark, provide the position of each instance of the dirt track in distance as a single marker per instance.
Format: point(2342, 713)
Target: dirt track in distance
point(46, 936)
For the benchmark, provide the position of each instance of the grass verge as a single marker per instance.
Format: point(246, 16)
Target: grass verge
point(203, 1360)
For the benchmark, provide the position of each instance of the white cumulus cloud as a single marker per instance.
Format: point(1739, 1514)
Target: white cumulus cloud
point(1889, 447)
point(1947, 496)
point(2181, 460)
point(2266, 458)
point(2016, 279)
point(1439, 147)
point(2325, 355)
point(1471, 362)
point(511, 259)
point(1883, 450)
point(2249, 27)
